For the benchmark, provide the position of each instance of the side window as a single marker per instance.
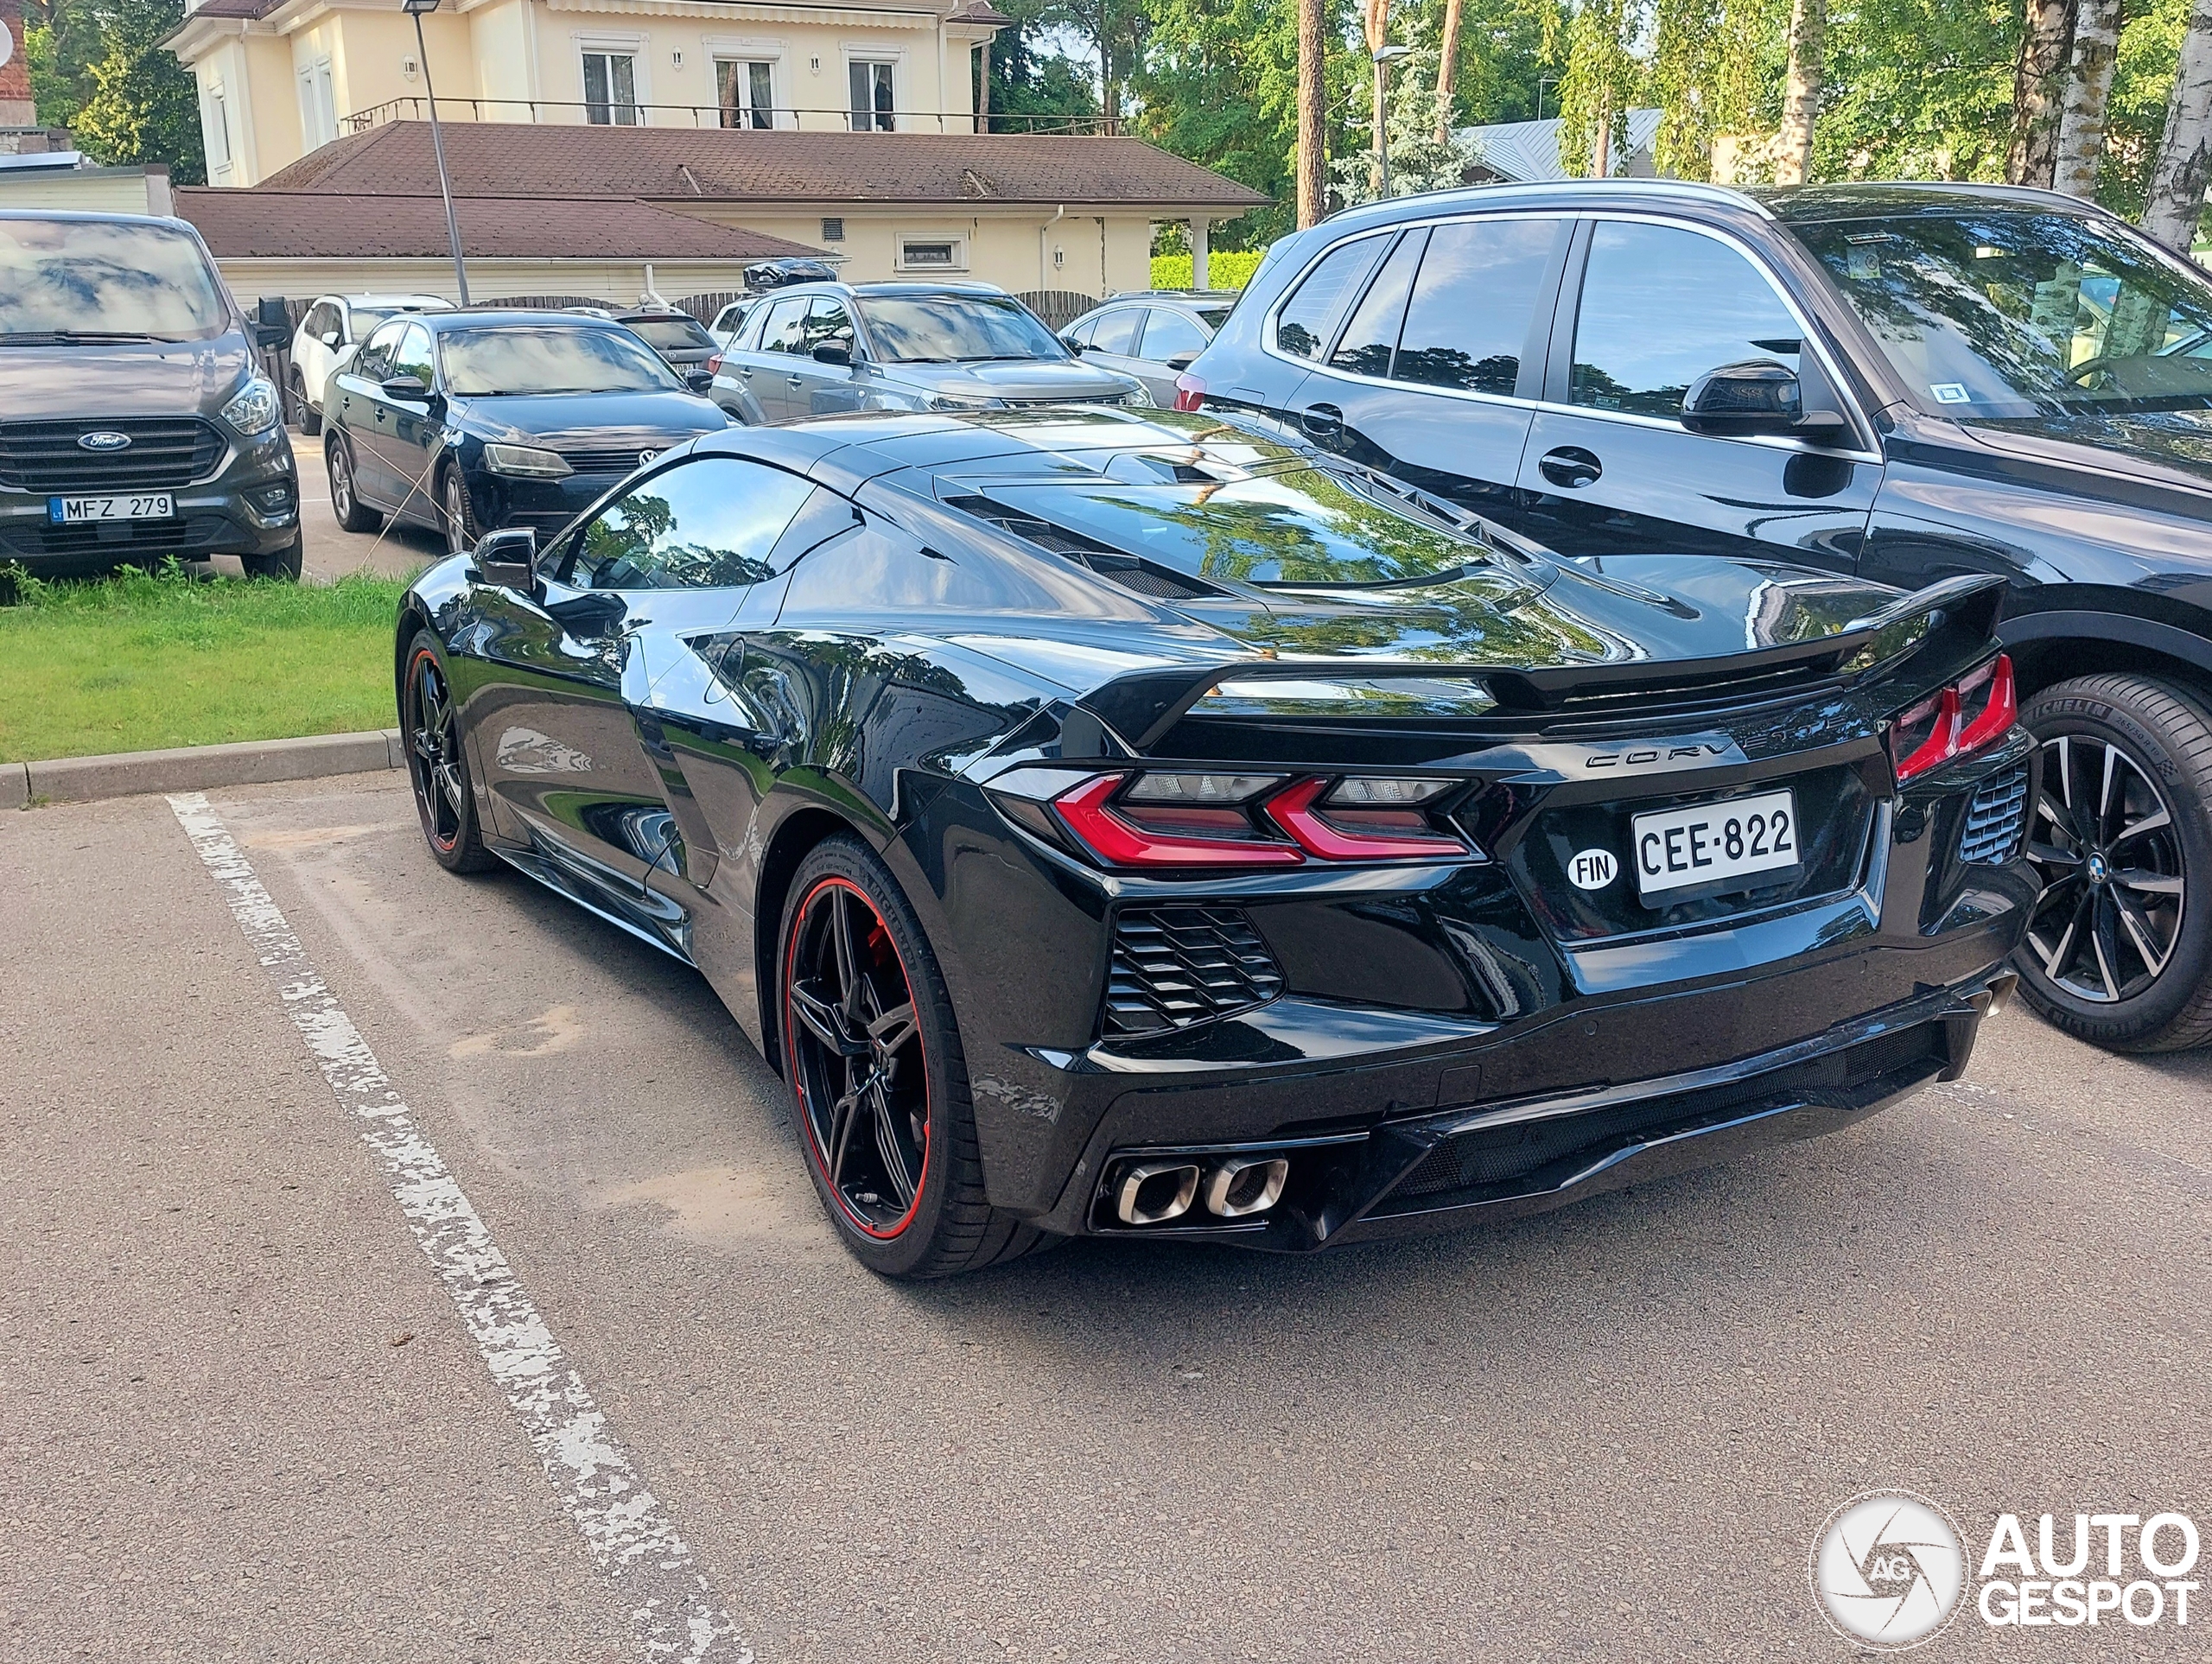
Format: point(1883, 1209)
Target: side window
point(1660, 305)
point(412, 357)
point(708, 523)
point(785, 327)
point(1479, 284)
point(1081, 332)
point(1372, 335)
point(1170, 334)
point(1302, 325)
point(827, 320)
point(317, 321)
point(1116, 331)
point(374, 361)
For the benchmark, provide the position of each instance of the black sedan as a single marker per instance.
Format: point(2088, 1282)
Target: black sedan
point(1132, 826)
point(466, 421)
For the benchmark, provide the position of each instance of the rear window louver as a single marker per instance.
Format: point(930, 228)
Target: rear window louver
point(1130, 571)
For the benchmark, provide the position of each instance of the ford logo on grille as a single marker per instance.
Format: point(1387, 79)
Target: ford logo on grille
point(105, 440)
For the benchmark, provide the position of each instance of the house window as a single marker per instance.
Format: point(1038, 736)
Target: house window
point(932, 254)
point(833, 230)
point(746, 89)
point(318, 106)
point(873, 105)
point(219, 127)
point(611, 89)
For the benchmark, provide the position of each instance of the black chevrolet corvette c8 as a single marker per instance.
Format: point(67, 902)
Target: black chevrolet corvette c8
point(1138, 826)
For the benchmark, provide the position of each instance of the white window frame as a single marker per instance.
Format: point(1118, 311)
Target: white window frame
point(318, 102)
point(215, 127)
point(722, 50)
point(632, 47)
point(957, 238)
point(891, 58)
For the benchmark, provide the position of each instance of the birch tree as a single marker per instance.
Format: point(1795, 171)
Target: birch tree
point(2175, 202)
point(2088, 88)
point(2038, 73)
point(1801, 96)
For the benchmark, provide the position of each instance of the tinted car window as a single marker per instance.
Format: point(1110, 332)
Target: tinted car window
point(126, 277)
point(827, 320)
point(1170, 334)
point(1116, 331)
point(550, 359)
point(413, 356)
point(671, 334)
point(1302, 325)
point(1662, 306)
point(784, 327)
point(1372, 335)
point(704, 525)
point(956, 329)
point(373, 363)
point(1080, 333)
point(1479, 284)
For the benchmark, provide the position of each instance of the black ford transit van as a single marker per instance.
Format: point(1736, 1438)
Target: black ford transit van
point(135, 421)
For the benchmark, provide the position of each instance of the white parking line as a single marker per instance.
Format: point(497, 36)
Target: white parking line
point(674, 1612)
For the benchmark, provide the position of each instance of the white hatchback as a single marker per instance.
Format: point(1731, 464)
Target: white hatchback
point(329, 335)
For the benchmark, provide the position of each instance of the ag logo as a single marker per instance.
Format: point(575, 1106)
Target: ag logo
point(1888, 1569)
point(1592, 869)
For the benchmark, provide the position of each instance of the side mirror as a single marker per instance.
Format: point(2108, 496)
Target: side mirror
point(1756, 396)
point(330, 338)
point(508, 557)
point(699, 380)
point(834, 352)
point(1073, 345)
point(408, 388)
point(1182, 360)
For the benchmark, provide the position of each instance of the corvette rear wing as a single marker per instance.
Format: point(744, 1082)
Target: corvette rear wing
point(1140, 707)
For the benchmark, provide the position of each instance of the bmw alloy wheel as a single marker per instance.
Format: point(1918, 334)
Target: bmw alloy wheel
point(2104, 843)
point(856, 1054)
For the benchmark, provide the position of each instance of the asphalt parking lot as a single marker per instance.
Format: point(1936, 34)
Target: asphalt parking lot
point(244, 1418)
point(331, 551)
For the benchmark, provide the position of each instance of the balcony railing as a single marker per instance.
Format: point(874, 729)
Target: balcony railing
point(783, 118)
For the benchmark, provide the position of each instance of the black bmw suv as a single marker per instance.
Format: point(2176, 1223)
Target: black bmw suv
point(1900, 382)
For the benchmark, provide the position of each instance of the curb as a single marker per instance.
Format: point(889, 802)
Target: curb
point(197, 768)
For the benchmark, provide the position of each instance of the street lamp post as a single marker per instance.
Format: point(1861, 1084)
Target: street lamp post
point(1385, 57)
point(415, 9)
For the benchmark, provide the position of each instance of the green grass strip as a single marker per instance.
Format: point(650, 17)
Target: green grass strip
point(142, 661)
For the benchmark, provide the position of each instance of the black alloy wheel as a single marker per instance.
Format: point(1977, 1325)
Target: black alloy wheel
point(872, 1053)
point(437, 764)
point(2116, 951)
point(338, 462)
point(454, 516)
point(284, 566)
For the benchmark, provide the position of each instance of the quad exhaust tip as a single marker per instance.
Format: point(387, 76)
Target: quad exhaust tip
point(1235, 1187)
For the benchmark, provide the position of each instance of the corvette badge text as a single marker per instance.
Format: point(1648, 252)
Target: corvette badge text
point(1890, 1569)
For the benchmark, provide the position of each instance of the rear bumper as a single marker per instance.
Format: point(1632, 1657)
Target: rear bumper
point(1416, 1173)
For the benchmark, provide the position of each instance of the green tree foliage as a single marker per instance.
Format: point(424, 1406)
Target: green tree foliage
point(1031, 82)
point(1604, 80)
point(98, 68)
point(1717, 69)
point(2150, 54)
point(1219, 85)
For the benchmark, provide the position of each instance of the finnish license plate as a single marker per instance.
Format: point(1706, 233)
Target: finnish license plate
point(78, 511)
point(1675, 848)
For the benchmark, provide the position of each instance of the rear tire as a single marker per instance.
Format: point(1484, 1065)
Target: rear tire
point(283, 566)
point(868, 981)
point(338, 462)
point(310, 418)
point(2118, 952)
point(437, 761)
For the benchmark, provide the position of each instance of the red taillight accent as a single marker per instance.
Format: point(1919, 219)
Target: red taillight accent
point(1294, 811)
point(1189, 392)
point(1952, 737)
point(1999, 714)
point(714, 365)
point(1120, 841)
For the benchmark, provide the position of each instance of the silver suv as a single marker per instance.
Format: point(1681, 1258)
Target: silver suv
point(816, 349)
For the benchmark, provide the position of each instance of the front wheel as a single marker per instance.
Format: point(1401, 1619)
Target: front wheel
point(283, 566)
point(455, 518)
point(872, 1050)
point(437, 763)
point(2119, 950)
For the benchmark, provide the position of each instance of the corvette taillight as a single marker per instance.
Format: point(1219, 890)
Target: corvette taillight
point(1958, 720)
point(1189, 392)
point(1201, 820)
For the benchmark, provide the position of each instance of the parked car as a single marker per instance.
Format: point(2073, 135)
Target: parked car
point(816, 349)
point(135, 421)
point(467, 420)
point(679, 338)
point(330, 333)
point(1152, 336)
point(728, 321)
point(1897, 382)
point(1122, 824)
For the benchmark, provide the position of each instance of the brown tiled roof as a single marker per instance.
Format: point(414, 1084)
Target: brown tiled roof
point(232, 8)
point(738, 165)
point(321, 225)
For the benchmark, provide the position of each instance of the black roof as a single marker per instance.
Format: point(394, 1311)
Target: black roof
point(464, 317)
point(1807, 205)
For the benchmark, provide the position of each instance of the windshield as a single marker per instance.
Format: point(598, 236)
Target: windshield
point(1302, 527)
point(671, 334)
point(955, 329)
point(102, 279)
point(1999, 313)
point(548, 358)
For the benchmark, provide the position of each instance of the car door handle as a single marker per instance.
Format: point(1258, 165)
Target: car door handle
point(795, 381)
point(1321, 422)
point(1570, 466)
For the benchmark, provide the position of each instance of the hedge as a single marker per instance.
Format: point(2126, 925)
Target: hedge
point(1225, 269)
